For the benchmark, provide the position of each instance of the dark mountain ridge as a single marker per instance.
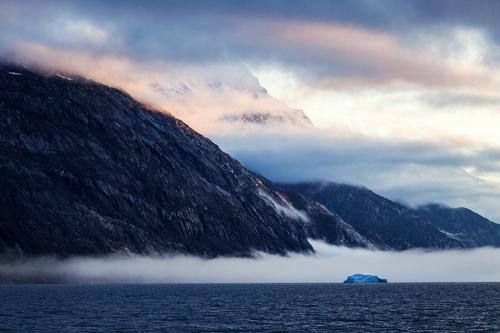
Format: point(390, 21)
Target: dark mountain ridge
point(85, 169)
point(462, 224)
point(391, 225)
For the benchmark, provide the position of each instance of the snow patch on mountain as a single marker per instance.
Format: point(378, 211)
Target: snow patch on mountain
point(452, 235)
point(64, 77)
point(284, 208)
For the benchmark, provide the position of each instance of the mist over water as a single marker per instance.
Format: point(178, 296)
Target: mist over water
point(330, 264)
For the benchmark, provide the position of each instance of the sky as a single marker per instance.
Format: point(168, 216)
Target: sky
point(402, 95)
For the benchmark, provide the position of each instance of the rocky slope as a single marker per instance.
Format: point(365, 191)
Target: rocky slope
point(386, 224)
point(463, 224)
point(323, 224)
point(85, 169)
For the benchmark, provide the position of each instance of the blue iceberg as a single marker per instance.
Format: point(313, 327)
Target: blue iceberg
point(364, 278)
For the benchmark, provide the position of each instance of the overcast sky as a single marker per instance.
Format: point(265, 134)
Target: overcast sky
point(403, 94)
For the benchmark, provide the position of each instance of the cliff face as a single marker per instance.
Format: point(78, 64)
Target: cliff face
point(86, 169)
point(324, 224)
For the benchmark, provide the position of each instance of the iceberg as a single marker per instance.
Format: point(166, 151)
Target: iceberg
point(364, 278)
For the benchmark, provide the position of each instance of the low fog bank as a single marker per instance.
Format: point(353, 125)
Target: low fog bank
point(331, 264)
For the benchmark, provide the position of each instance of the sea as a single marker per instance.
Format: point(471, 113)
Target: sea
point(393, 307)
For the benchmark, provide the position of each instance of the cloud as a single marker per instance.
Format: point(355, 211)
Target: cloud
point(336, 55)
point(414, 172)
point(458, 100)
point(331, 264)
point(210, 97)
point(349, 49)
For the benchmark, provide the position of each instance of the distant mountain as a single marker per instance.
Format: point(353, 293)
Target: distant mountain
point(230, 94)
point(386, 224)
point(85, 170)
point(462, 224)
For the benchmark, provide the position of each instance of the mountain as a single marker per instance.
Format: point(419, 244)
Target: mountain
point(323, 224)
point(462, 224)
point(386, 224)
point(227, 93)
point(86, 170)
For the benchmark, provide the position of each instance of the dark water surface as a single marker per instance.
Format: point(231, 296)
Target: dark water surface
point(422, 307)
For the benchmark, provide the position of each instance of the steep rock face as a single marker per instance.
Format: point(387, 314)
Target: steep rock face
point(85, 169)
point(387, 224)
point(463, 224)
point(322, 224)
